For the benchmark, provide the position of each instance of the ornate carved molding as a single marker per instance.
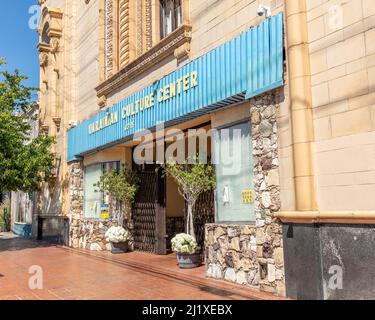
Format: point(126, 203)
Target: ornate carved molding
point(148, 23)
point(139, 27)
point(102, 101)
point(54, 18)
point(43, 59)
point(44, 129)
point(55, 44)
point(163, 49)
point(108, 38)
point(43, 47)
point(182, 52)
point(124, 34)
point(57, 121)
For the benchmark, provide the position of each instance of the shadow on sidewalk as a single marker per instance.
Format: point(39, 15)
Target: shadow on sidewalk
point(10, 242)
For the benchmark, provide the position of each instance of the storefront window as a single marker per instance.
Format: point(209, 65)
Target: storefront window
point(234, 174)
point(97, 205)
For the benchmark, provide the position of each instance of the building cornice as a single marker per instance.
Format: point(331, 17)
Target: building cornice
point(43, 47)
point(157, 53)
point(320, 217)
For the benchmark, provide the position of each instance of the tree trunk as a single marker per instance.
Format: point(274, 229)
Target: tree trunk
point(120, 217)
point(189, 219)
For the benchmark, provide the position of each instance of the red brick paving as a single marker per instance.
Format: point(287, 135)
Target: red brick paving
point(70, 274)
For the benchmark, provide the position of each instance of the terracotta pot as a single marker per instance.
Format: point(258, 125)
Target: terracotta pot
point(188, 261)
point(119, 247)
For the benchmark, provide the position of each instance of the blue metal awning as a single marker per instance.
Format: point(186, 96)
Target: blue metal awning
point(240, 69)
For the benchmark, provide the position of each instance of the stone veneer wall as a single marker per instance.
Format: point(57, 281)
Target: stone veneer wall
point(85, 233)
point(252, 254)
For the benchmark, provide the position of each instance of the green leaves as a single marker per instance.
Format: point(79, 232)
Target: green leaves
point(24, 164)
point(192, 177)
point(123, 185)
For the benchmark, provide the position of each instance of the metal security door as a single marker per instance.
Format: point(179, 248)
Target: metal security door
point(149, 213)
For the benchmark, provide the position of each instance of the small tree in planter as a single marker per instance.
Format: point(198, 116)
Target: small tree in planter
point(193, 178)
point(122, 185)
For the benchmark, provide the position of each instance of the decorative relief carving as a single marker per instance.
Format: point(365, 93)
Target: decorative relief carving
point(44, 129)
point(43, 47)
point(148, 31)
point(57, 121)
point(102, 101)
point(182, 52)
point(157, 53)
point(43, 59)
point(109, 38)
point(139, 27)
point(55, 43)
point(124, 37)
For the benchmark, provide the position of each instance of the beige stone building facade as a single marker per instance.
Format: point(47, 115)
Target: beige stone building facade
point(312, 136)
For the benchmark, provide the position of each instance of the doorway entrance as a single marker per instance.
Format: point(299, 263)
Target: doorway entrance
point(159, 211)
point(157, 220)
point(148, 212)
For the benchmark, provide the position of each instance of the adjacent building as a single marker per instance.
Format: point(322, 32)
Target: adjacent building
point(23, 205)
point(283, 89)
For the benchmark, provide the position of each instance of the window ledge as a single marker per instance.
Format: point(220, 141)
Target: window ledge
point(175, 40)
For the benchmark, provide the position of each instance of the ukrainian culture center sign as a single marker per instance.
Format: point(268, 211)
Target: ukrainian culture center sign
point(169, 91)
point(248, 65)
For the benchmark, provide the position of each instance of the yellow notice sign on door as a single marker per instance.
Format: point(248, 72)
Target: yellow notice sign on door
point(247, 196)
point(104, 215)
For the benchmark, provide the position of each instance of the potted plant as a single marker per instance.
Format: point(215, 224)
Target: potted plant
point(119, 238)
point(193, 178)
point(122, 185)
point(185, 247)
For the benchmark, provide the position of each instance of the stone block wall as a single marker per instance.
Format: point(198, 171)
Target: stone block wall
point(85, 233)
point(252, 254)
point(76, 194)
point(231, 253)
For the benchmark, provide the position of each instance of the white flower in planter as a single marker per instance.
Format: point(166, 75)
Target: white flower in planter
point(117, 234)
point(184, 243)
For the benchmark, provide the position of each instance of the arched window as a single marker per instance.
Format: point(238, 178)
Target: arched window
point(45, 37)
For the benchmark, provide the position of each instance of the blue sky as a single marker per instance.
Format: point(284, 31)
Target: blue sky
point(18, 40)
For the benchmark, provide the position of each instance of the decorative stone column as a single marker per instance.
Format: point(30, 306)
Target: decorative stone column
point(76, 202)
point(269, 244)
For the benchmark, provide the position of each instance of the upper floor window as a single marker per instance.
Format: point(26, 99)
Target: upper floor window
point(45, 37)
point(170, 16)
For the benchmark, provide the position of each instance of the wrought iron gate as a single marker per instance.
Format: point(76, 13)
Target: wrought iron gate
point(149, 213)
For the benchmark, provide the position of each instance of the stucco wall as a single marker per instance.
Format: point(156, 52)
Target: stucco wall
point(341, 36)
point(87, 58)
